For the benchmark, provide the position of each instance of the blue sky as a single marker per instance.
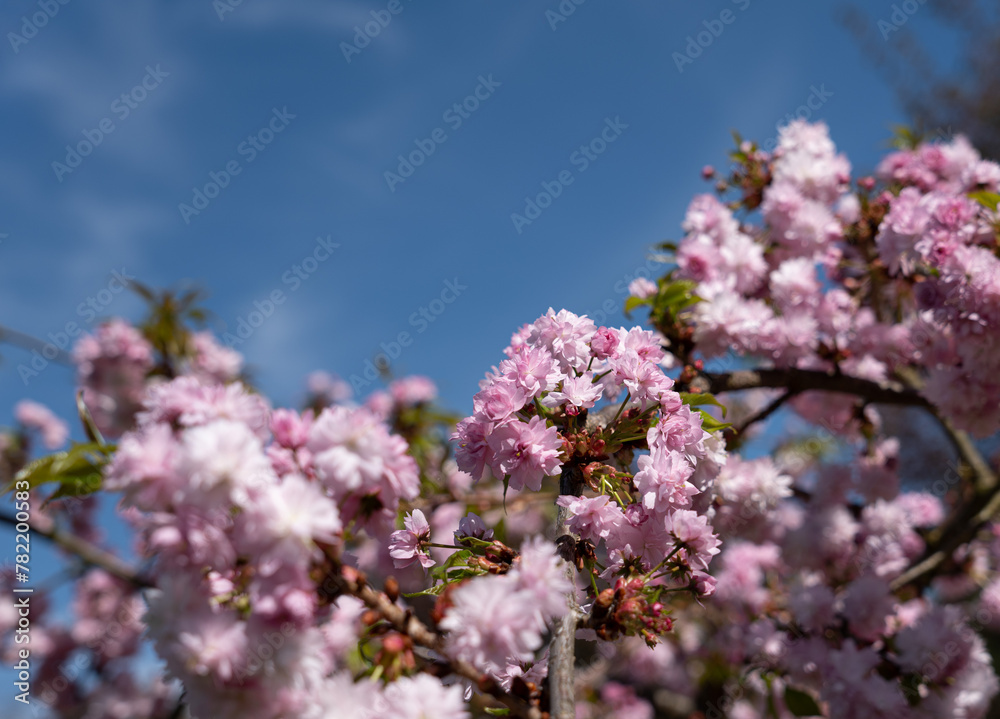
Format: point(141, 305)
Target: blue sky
point(215, 83)
point(547, 85)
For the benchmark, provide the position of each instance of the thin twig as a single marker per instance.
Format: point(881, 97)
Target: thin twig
point(24, 341)
point(764, 413)
point(89, 553)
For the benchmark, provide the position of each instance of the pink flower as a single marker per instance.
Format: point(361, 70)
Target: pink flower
point(695, 533)
point(143, 468)
point(566, 336)
point(808, 161)
point(533, 370)
point(642, 288)
point(593, 518)
point(112, 365)
point(330, 389)
point(212, 362)
point(645, 381)
point(413, 390)
point(186, 402)
point(356, 456)
point(752, 487)
point(680, 431)
point(644, 343)
point(472, 453)
point(491, 622)
point(223, 459)
point(605, 343)
point(423, 696)
point(287, 520)
point(868, 604)
point(527, 452)
point(540, 572)
point(577, 392)
point(212, 644)
point(37, 416)
point(289, 428)
point(499, 619)
point(501, 398)
point(663, 481)
point(406, 545)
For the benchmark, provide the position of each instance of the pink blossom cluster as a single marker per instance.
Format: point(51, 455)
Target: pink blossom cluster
point(88, 662)
point(498, 622)
point(789, 291)
point(884, 284)
point(235, 503)
point(804, 593)
point(402, 394)
point(112, 366)
point(766, 291)
point(941, 242)
point(538, 413)
point(35, 416)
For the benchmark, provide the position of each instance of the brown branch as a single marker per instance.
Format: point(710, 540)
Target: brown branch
point(802, 380)
point(968, 518)
point(89, 554)
point(404, 622)
point(763, 414)
point(961, 528)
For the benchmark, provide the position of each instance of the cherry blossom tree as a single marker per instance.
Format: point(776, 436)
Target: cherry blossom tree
point(699, 515)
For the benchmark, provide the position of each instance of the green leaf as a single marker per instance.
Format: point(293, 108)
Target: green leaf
point(675, 297)
point(79, 467)
point(77, 487)
point(697, 399)
point(89, 426)
point(454, 559)
point(710, 423)
point(989, 200)
point(632, 302)
point(497, 711)
point(434, 591)
point(33, 472)
point(800, 703)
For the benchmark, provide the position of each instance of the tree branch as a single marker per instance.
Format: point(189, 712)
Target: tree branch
point(20, 339)
point(90, 554)
point(763, 414)
point(961, 528)
point(801, 380)
point(562, 647)
point(968, 518)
